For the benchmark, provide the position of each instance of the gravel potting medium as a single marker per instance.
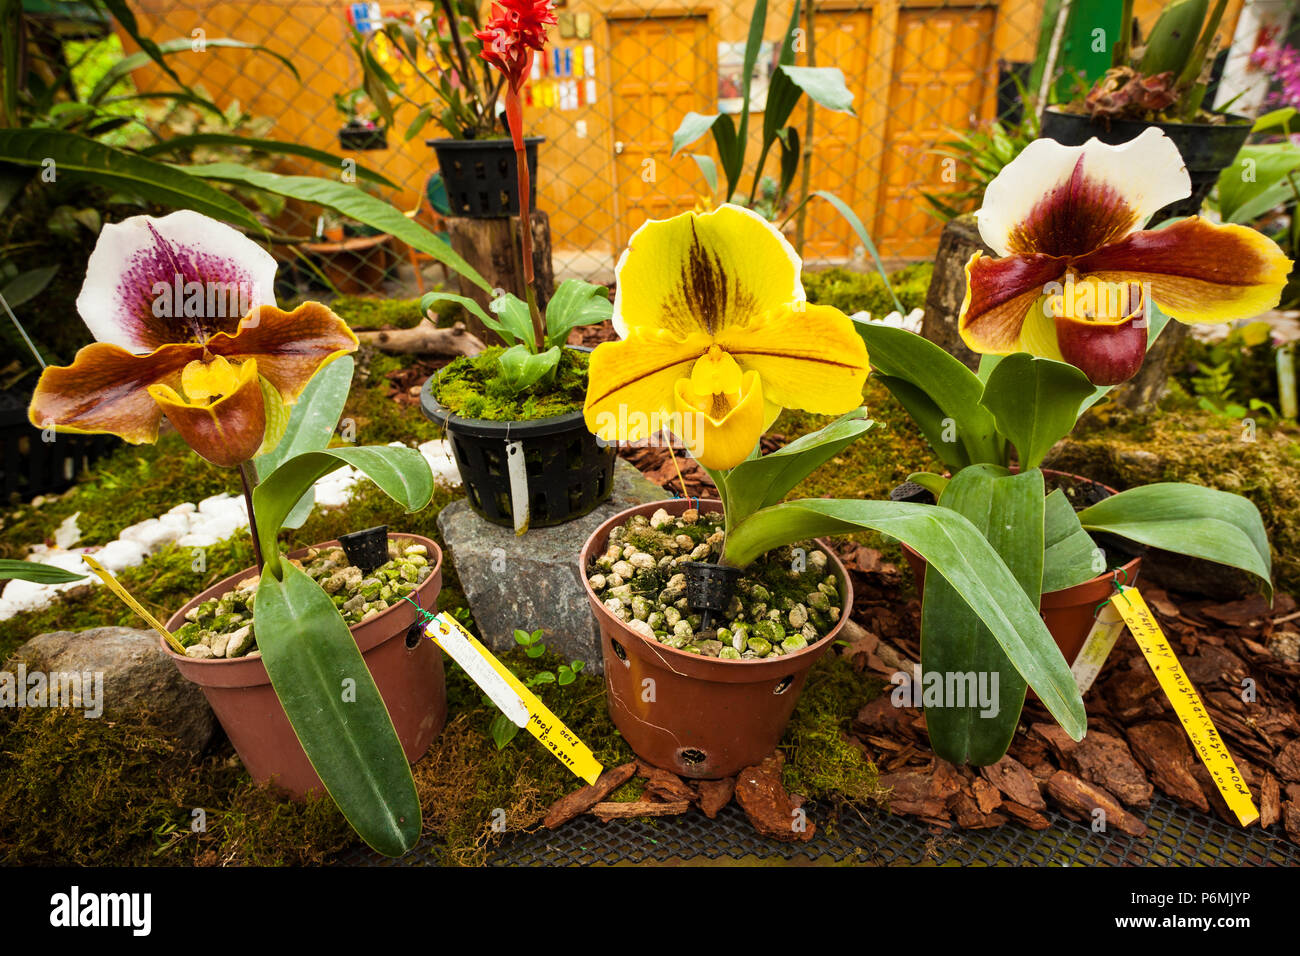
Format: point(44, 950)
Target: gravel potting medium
point(1177, 837)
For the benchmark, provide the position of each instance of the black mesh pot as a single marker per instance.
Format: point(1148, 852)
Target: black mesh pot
point(363, 137)
point(1207, 148)
point(30, 465)
point(568, 472)
point(480, 175)
point(367, 549)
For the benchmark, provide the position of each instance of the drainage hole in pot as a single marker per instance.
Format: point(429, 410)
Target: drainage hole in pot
point(575, 497)
point(540, 512)
point(690, 757)
point(504, 199)
point(783, 684)
point(492, 459)
point(574, 454)
point(619, 652)
point(480, 170)
point(483, 201)
point(414, 634)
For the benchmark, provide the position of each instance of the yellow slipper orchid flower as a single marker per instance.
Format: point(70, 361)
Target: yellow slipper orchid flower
point(718, 337)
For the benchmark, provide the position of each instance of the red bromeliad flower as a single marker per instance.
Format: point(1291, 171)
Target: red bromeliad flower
point(515, 29)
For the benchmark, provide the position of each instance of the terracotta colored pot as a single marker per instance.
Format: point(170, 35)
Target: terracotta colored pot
point(410, 679)
point(1068, 613)
point(709, 717)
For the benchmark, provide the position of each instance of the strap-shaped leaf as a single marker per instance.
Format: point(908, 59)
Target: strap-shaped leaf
point(575, 303)
point(952, 547)
point(400, 473)
point(81, 158)
point(1070, 556)
point(351, 201)
point(1188, 519)
point(489, 320)
point(955, 644)
point(1035, 402)
point(273, 146)
point(938, 428)
point(335, 709)
point(35, 572)
point(758, 482)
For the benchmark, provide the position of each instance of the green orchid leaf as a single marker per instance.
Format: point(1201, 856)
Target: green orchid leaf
point(692, 127)
point(790, 156)
point(512, 312)
point(824, 85)
point(1258, 180)
point(35, 572)
point(1070, 555)
point(1035, 403)
point(490, 321)
point(1008, 511)
point(938, 428)
point(350, 200)
point(709, 169)
point(310, 427)
point(1188, 519)
point(27, 285)
point(77, 157)
point(521, 369)
point(335, 709)
point(731, 152)
point(575, 303)
point(400, 473)
point(953, 548)
point(948, 386)
point(275, 147)
point(935, 484)
point(759, 482)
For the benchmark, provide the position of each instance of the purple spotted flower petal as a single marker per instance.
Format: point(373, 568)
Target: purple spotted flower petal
point(180, 278)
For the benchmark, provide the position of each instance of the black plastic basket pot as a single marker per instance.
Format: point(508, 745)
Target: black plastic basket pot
point(480, 175)
point(30, 465)
point(1207, 148)
point(354, 138)
point(568, 471)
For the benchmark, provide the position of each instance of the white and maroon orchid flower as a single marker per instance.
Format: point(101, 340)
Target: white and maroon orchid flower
point(1076, 272)
point(184, 312)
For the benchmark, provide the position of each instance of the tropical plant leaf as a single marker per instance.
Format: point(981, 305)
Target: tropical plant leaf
point(1035, 403)
point(35, 572)
point(273, 146)
point(491, 321)
point(27, 285)
point(709, 169)
point(521, 368)
point(158, 53)
point(575, 303)
point(1070, 556)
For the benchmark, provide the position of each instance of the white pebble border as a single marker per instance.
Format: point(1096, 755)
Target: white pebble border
point(187, 526)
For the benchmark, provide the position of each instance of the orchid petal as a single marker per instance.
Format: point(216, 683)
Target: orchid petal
point(1068, 200)
point(1000, 296)
point(721, 430)
point(179, 278)
point(229, 430)
point(290, 347)
point(630, 383)
point(1197, 271)
point(704, 273)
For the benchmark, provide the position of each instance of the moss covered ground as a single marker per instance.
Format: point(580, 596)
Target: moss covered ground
point(94, 791)
point(474, 387)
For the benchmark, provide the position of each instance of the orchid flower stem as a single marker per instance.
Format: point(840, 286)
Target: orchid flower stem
point(1120, 51)
point(514, 114)
point(249, 478)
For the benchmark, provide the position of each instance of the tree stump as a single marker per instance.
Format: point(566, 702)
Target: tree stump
point(492, 247)
point(958, 242)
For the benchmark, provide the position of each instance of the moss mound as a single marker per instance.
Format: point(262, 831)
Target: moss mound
point(472, 387)
point(851, 291)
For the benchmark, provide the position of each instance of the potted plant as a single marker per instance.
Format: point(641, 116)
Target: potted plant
point(362, 129)
point(1160, 81)
point(481, 169)
point(1068, 309)
point(712, 613)
point(187, 330)
point(514, 414)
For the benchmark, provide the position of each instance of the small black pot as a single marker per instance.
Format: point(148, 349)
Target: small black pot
point(480, 175)
point(569, 472)
point(363, 137)
point(710, 587)
point(1207, 148)
point(366, 549)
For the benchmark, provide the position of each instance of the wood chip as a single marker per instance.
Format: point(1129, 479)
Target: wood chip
point(667, 787)
point(1078, 799)
point(580, 801)
point(1162, 748)
point(643, 808)
point(1010, 776)
point(1025, 816)
point(773, 811)
point(986, 796)
point(1105, 760)
point(715, 794)
point(1270, 802)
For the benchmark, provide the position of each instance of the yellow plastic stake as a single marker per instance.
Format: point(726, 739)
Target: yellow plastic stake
point(515, 700)
point(1187, 703)
point(125, 597)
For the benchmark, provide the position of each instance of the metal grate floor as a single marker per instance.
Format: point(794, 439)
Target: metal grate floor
point(1176, 837)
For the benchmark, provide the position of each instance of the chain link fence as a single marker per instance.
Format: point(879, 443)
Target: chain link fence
point(616, 81)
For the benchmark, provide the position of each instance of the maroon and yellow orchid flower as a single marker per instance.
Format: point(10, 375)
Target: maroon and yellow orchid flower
point(187, 328)
point(717, 339)
point(1076, 272)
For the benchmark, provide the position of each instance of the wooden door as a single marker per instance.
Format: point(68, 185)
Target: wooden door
point(661, 69)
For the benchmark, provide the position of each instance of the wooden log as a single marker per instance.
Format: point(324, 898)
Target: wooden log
point(622, 811)
point(492, 247)
point(425, 339)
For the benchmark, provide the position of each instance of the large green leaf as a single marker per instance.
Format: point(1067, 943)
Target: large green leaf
point(575, 303)
point(400, 473)
point(178, 45)
point(731, 152)
point(933, 422)
point(81, 158)
point(1008, 510)
point(521, 368)
point(952, 547)
point(782, 93)
point(27, 285)
point(274, 146)
point(758, 482)
point(1070, 556)
point(489, 320)
point(1035, 402)
point(1188, 519)
point(335, 709)
point(36, 572)
point(1257, 180)
point(310, 428)
point(860, 230)
point(950, 386)
point(351, 201)
point(691, 128)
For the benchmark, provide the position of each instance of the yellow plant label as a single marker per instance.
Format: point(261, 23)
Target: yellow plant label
point(125, 597)
point(515, 700)
point(1187, 703)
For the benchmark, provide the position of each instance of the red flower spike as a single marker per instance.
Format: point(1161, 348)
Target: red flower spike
point(515, 29)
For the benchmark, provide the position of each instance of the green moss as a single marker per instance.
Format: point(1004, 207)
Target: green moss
point(851, 291)
point(367, 315)
point(472, 387)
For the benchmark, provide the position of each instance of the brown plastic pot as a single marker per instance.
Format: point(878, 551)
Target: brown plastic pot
point(706, 717)
point(409, 678)
point(1070, 612)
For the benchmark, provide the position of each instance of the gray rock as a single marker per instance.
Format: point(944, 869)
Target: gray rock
point(139, 681)
point(532, 581)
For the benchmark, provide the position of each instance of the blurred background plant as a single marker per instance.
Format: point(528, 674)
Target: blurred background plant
point(1235, 376)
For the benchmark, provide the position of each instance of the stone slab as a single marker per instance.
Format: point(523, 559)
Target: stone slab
point(532, 580)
